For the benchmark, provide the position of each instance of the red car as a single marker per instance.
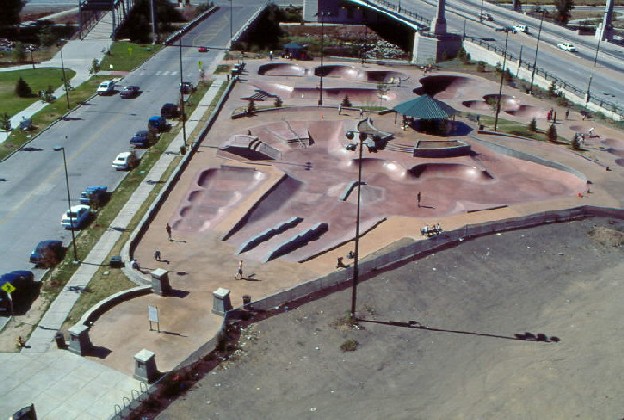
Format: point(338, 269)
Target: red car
point(202, 49)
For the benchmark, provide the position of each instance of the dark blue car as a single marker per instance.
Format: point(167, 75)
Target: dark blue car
point(47, 253)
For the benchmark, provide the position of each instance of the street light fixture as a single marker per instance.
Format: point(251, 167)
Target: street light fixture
point(539, 33)
point(231, 23)
point(500, 89)
point(71, 219)
point(322, 15)
point(65, 85)
point(356, 254)
point(182, 111)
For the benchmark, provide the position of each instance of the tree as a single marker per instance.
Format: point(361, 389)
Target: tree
point(552, 133)
point(533, 125)
point(22, 89)
point(5, 122)
point(345, 101)
point(19, 52)
point(278, 102)
point(564, 7)
point(10, 12)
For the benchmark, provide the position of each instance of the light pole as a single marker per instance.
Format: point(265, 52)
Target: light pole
point(321, 15)
point(65, 85)
point(500, 89)
point(481, 13)
point(539, 33)
point(591, 76)
point(356, 255)
point(231, 23)
point(182, 111)
point(71, 219)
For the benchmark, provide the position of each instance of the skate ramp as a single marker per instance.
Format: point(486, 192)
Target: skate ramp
point(354, 74)
point(528, 111)
point(393, 170)
point(508, 103)
point(282, 69)
point(451, 170)
point(443, 86)
point(477, 105)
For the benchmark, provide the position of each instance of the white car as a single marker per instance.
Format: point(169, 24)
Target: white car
point(125, 161)
point(106, 88)
point(79, 216)
point(566, 46)
point(521, 28)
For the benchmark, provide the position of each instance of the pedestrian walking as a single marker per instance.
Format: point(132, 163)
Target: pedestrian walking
point(418, 197)
point(168, 228)
point(555, 117)
point(591, 132)
point(239, 273)
point(361, 113)
point(157, 255)
point(271, 55)
point(567, 114)
point(339, 108)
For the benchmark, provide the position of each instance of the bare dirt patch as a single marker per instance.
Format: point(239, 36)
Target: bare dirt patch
point(438, 339)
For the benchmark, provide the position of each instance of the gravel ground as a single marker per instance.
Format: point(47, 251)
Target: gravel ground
point(439, 339)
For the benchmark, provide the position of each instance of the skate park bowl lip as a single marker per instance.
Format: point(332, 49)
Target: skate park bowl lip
point(338, 93)
point(342, 71)
point(282, 69)
point(609, 141)
point(442, 83)
point(527, 111)
point(477, 104)
point(393, 169)
point(451, 170)
point(441, 148)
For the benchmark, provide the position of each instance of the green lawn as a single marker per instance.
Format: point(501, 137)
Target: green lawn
point(37, 79)
point(126, 56)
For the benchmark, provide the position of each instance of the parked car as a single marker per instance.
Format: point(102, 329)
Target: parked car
point(566, 46)
point(47, 253)
point(141, 139)
point(486, 16)
point(21, 280)
point(125, 161)
point(79, 216)
point(169, 111)
point(187, 87)
point(157, 124)
point(106, 88)
point(202, 49)
point(94, 196)
point(521, 28)
point(130, 92)
point(505, 28)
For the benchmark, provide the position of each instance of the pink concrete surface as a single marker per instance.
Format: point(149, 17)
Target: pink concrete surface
point(199, 262)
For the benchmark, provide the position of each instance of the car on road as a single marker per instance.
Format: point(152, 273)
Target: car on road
point(94, 195)
point(129, 92)
point(169, 111)
point(187, 87)
point(107, 87)
point(566, 46)
point(22, 281)
point(125, 161)
point(505, 28)
point(47, 253)
point(76, 217)
point(158, 124)
point(202, 49)
point(521, 28)
point(141, 139)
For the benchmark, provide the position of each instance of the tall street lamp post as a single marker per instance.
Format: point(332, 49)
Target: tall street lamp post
point(500, 89)
point(231, 24)
point(65, 85)
point(539, 33)
point(356, 254)
point(182, 111)
point(71, 219)
point(322, 15)
point(591, 76)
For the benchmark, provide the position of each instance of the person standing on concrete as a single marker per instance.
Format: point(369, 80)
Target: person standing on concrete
point(567, 114)
point(418, 198)
point(157, 255)
point(168, 231)
point(239, 273)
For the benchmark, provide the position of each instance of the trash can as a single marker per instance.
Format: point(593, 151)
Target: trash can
point(246, 300)
point(60, 340)
point(116, 262)
point(182, 150)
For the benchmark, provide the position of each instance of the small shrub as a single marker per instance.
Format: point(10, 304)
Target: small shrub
point(349, 345)
point(95, 66)
point(533, 125)
point(251, 107)
point(508, 76)
point(345, 101)
point(278, 102)
point(5, 122)
point(552, 90)
point(19, 52)
point(22, 89)
point(498, 68)
point(552, 133)
point(481, 67)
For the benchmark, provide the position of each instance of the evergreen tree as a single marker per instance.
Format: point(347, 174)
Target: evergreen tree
point(10, 12)
point(22, 89)
point(564, 8)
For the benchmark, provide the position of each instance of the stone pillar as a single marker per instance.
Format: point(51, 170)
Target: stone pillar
point(438, 24)
point(145, 366)
point(221, 301)
point(605, 29)
point(160, 282)
point(79, 341)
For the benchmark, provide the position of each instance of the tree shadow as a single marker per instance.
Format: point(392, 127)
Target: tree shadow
point(99, 351)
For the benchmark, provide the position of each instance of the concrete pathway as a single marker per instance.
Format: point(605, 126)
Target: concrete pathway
point(77, 55)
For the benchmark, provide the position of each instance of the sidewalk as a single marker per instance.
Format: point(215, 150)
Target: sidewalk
point(77, 55)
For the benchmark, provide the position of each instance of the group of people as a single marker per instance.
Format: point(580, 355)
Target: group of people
point(431, 231)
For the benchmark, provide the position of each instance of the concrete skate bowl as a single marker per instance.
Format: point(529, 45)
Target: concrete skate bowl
point(282, 69)
point(609, 141)
point(441, 149)
point(616, 147)
point(443, 86)
point(477, 105)
point(509, 104)
point(215, 191)
point(451, 170)
point(384, 76)
point(358, 94)
point(528, 111)
point(393, 170)
point(340, 72)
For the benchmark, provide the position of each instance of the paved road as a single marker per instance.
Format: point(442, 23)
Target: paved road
point(572, 67)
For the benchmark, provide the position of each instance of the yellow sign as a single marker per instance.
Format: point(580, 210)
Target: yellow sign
point(8, 287)
point(200, 64)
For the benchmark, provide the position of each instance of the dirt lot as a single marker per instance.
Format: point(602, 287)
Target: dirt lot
point(438, 340)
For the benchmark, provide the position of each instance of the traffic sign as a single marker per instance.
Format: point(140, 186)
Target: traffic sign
point(8, 287)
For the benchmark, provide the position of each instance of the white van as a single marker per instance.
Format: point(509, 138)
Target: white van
point(521, 28)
